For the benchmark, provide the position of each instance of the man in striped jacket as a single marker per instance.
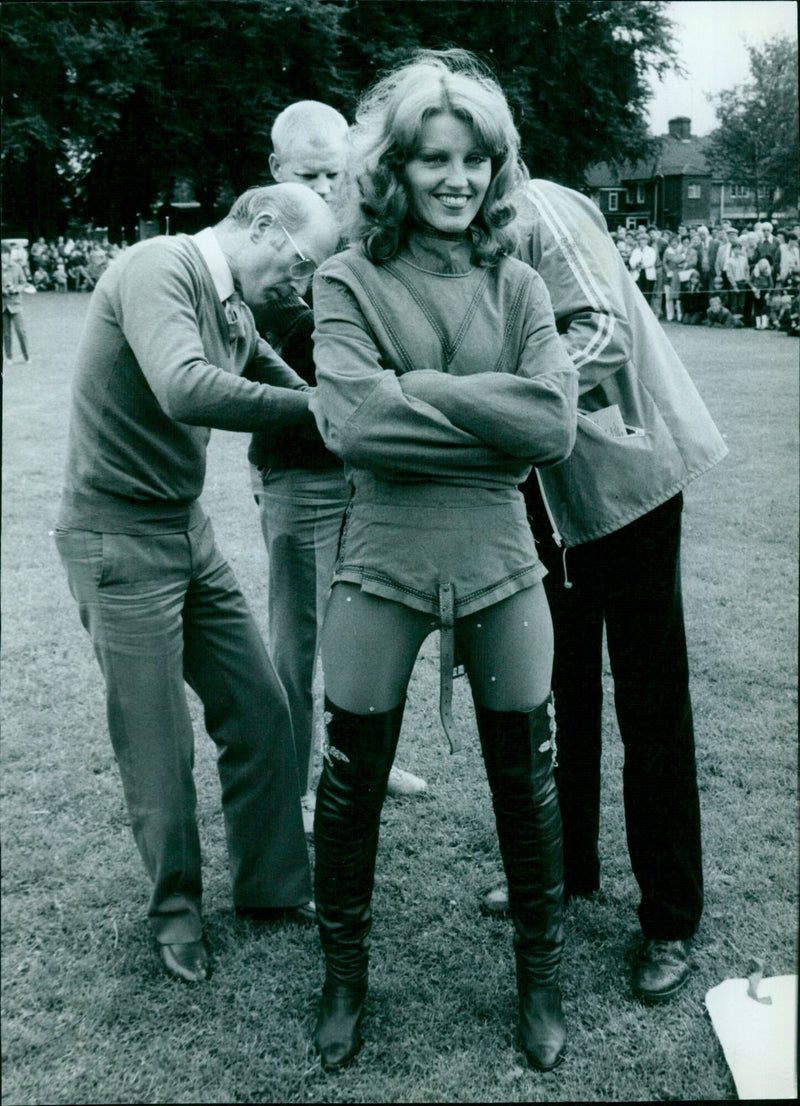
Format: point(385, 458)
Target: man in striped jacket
point(608, 524)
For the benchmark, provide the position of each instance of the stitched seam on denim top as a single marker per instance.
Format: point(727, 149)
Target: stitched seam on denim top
point(513, 314)
point(386, 321)
point(449, 350)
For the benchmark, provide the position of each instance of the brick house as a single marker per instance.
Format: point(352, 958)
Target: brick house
point(674, 186)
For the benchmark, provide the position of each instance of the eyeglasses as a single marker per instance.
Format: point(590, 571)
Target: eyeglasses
point(305, 267)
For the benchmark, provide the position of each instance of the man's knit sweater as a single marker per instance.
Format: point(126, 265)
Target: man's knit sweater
point(158, 365)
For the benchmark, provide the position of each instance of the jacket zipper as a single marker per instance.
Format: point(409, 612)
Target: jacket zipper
point(554, 531)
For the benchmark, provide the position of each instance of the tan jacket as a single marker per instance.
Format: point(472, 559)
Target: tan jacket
point(624, 358)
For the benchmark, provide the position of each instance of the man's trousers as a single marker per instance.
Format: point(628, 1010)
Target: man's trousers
point(162, 609)
point(301, 520)
point(14, 322)
point(629, 580)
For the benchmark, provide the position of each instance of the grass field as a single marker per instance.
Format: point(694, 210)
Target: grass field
point(88, 1016)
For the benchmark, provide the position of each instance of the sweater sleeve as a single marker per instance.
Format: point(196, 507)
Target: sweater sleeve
point(287, 325)
point(575, 255)
point(158, 316)
point(530, 413)
point(268, 367)
point(362, 412)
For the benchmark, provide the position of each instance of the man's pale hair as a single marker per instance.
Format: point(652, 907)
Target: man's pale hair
point(289, 203)
point(310, 120)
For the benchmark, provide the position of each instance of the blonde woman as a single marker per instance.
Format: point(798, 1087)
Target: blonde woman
point(441, 380)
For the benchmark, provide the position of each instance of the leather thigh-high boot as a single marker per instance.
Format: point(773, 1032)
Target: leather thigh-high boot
point(519, 750)
point(358, 758)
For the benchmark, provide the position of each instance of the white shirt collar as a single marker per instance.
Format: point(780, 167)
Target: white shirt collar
point(208, 245)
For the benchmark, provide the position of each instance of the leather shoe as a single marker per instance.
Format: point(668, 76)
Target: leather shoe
point(303, 915)
point(494, 904)
point(187, 961)
point(337, 1035)
point(402, 784)
point(661, 969)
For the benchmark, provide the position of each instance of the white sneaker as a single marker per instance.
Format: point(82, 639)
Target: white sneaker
point(402, 783)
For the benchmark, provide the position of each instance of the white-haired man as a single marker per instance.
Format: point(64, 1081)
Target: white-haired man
point(300, 486)
point(768, 247)
point(170, 349)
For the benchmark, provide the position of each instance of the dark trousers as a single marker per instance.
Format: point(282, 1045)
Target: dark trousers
point(738, 297)
point(629, 580)
point(163, 609)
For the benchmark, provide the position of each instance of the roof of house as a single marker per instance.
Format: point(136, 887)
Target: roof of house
point(671, 157)
point(675, 156)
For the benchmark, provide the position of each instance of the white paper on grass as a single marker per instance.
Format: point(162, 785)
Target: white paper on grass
point(759, 1039)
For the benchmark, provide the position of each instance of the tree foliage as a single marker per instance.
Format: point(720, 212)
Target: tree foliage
point(68, 70)
point(107, 105)
point(575, 73)
point(756, 140)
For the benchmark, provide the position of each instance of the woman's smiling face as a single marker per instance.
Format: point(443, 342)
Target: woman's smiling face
point(448, 175)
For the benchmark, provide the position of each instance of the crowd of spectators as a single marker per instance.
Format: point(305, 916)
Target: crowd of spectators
point(726, 276)
point(67, 264)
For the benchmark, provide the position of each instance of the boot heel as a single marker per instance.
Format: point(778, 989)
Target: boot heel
point(542, 1029)
point(337, 1036)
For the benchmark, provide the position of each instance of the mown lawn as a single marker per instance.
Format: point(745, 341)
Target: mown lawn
point(88, 1015)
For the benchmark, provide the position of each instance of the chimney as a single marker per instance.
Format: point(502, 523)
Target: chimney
point(680, 127)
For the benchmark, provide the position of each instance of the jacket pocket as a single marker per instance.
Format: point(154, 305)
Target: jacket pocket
point(609, 480)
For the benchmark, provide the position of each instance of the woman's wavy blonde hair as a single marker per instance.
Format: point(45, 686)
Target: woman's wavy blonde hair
point(387, 132)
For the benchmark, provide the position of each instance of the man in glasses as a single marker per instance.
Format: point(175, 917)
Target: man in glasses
point(169, 350)
point(300, 486)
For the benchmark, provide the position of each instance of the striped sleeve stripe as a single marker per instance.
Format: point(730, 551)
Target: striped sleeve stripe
point(601, 337)
point(582, 274)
